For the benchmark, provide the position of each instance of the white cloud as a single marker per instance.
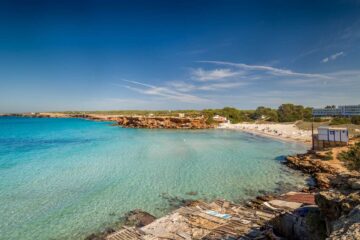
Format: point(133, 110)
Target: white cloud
point(221, 86)
point(332, 57)
point(209, 75)
point(182, 86)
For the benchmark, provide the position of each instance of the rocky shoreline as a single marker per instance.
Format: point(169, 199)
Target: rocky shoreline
point(337, 193)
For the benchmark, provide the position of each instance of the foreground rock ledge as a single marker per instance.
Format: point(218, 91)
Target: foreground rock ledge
point(290, 215)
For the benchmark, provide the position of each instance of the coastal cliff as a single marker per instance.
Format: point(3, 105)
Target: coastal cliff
point(162, 122)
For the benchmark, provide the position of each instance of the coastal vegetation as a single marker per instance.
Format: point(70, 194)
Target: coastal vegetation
point(285, 113)
point(355, 120)
point(339, 121)
point(352, 156)
point(290, 113)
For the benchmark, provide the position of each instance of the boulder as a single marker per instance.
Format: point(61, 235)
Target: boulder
point(347, 227)
point(334, 205)
point(138, 218)
point(305, 223)
point(330, 204)
point(284, 204)
point(354, 183)
point(323, 180)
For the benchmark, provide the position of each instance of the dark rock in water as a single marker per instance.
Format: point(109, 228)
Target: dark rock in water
point(108, 230)
point(281, 158)
point(283, 187)
point(176, 202)
point(192, 193)
point(250, 192)
point(95, 236)
point(263, 192)
point(138, 218)
point(100, 235)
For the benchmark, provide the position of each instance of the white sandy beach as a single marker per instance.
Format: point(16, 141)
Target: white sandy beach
point(281, 131)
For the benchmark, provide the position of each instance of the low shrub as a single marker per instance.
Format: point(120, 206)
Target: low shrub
point(355, 120)
point(328, 156)
point(339, 121)
point(352, 156)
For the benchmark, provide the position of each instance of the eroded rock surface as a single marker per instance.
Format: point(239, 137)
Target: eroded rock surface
point(162, 122)
point(138, 218)
point(347, 227)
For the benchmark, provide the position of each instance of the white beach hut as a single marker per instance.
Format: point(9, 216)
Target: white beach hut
point(333, 134)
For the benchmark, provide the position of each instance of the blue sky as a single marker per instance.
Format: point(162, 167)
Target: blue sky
point(93, 55)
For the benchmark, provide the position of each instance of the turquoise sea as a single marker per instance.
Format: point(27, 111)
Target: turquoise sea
point(66, 178)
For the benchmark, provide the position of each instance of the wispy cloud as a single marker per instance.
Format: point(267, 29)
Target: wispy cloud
point(352, 32)
point(164, 92)
point(215, 74)
point(332, 57)
point(221, 86)
point(268, 69)
point(258, 74)
point(190, 87)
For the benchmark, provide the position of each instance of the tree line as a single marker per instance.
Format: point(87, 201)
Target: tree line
point(284, 113)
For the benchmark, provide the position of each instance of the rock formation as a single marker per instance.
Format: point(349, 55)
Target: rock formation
point(347, 227)
point(162, 122)
point(341, 213)
point(138, 218)
point(339, 200)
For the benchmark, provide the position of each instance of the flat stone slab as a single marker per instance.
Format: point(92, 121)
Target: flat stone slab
point(284, 204)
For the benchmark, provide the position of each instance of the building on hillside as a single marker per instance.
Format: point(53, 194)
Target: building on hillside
point(350, 110)
point(220, 119)
point(340, 111)
point(181, 115)
point(330, 137)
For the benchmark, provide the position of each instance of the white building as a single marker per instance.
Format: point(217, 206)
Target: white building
point(220, 119)
point(350, 110)
point(345, 111)
point(332, 134)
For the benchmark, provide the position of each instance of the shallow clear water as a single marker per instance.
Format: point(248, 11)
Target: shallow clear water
point(66, 178)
